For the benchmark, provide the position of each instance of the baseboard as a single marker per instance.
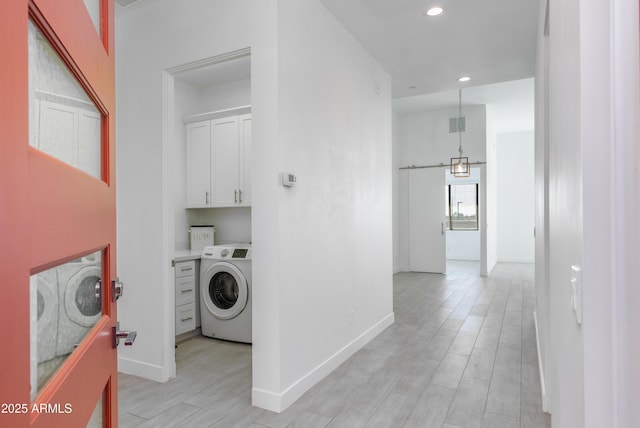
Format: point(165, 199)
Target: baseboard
point(515, 260)
point(278, 402)
point(543, 388)
point(139, 368)
point(399, 269)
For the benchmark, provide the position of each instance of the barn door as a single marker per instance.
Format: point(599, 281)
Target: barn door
point(427, 237)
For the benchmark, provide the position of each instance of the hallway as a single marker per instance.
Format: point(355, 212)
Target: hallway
point(462, 353)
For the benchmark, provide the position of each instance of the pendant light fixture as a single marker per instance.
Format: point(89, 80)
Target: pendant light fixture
point(460, 165)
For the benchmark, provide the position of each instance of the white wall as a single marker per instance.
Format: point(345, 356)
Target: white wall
point(334, 229)
point(321, 109)
point(424, 139)
point(232, 224)
point(187, 100)
point(591, 73)
point(489, 212)
point(515, 197)
point(395, 176)
point(232, 94)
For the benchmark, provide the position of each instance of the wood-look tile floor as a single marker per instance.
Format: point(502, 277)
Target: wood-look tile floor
point(462, 353)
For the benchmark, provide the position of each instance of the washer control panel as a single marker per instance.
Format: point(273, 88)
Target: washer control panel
point(219, 252)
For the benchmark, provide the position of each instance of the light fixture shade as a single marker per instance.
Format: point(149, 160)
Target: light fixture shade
point(460, 167)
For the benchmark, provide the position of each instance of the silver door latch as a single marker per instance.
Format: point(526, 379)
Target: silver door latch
point(117, 289)
point(129, 336)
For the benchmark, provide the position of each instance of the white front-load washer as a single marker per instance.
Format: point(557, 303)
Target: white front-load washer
point(225, 292)
point(79, 307)
point(45, 284)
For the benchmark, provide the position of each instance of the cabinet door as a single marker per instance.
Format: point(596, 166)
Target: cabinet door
point(224, 161)
point(198, 164)
point(245, 159)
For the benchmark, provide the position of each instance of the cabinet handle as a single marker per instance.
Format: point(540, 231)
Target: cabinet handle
point(186, 319)
point(184, 269)
point(240, 193)
point(187, 291)
point(235, 196)
point(206, 198)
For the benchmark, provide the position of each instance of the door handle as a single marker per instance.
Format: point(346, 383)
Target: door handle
point(206, 198)
point(235, 196)
point(442, 226)
point(240, 193)
point(129, 336)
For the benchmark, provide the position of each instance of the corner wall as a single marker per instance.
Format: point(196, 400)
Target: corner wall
point(515, 197)
point(334, 228)
point(322, 110)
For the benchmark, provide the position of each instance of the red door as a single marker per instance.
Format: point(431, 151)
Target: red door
point(58, 365)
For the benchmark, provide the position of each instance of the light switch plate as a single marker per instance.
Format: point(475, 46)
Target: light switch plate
point(576, 292)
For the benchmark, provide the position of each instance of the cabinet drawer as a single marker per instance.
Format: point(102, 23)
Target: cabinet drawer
point(185, 268)
point(185, 318)
point(185, 290)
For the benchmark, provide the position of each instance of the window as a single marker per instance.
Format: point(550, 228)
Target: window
point(462, 206)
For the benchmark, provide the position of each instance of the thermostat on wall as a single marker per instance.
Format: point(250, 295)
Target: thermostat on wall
point(288, 179)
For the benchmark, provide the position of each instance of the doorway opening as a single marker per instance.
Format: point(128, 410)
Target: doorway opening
point(463, 217)
point(204, 92)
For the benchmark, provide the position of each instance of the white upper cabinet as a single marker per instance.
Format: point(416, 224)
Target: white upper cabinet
point(199, 164)
point(219, 162)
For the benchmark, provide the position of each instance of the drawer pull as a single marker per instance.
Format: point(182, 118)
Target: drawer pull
point(186, 319)
point(187, 291)
point(186, 268)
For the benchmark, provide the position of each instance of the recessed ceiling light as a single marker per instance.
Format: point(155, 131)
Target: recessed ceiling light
point(434, 11)
point(464, 79)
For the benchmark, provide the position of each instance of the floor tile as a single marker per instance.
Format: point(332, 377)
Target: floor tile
point(467, 408)
point(450, 370)
point(461, 354)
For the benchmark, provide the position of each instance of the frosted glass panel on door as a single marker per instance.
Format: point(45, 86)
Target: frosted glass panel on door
point(63, 121)
point(96, 416)
point(93, 7)
point(65, 305)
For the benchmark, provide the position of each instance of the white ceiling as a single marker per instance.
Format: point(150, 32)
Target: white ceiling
point(511, 103)
point(490, 40)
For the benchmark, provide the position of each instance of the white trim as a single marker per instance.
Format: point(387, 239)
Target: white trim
point(142, 369)
point(234, 111)
point(278, 402)
point(168, 234)
point(515, 260)
point(543, 387)
point(229, 56)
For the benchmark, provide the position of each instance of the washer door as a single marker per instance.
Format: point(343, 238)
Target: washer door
point(224, 290)
point(80, 301)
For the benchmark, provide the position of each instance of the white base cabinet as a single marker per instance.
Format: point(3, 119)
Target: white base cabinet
point(219, 162)
point(187, 296)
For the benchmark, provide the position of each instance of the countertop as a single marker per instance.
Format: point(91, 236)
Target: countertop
point(187, 255)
